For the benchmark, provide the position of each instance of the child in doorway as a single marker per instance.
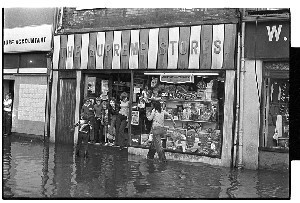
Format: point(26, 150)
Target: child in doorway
point(104, 115)
point(98, 117)
point(113, 111)
point(122, 120)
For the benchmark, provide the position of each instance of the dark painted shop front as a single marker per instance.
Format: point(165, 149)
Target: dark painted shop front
point(266, 89)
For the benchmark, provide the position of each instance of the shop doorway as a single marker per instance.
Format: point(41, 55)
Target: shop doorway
point(8, 87)
point(108, 86)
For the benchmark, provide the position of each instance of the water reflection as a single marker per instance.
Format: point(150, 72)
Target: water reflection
point(6, 153)
point(34, 168)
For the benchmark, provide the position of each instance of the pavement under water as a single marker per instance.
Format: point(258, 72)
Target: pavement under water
point(38, 169)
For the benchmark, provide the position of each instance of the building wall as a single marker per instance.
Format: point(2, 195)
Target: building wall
point(82, 21)
point(273, 160)
point(251, 114)
point(29, 105)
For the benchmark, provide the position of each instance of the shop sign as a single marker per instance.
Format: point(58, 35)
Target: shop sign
point(25, 39)
point(177, 78)
point(196, 47)
point(267, 40)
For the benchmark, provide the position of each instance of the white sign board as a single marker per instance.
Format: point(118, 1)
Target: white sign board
point(32, 101)
point(25, 39)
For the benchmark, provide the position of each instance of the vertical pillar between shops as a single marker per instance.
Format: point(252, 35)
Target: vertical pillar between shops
point(48, 102)
point(53, 106)
point(228, 117)
point(77, 105)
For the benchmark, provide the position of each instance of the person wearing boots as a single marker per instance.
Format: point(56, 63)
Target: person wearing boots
point(83, 137)
point(157, 115)
point(87, 112)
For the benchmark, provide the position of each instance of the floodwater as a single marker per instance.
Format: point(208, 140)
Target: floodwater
point(37, 169)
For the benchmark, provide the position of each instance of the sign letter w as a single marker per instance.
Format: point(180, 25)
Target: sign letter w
point(274, 30)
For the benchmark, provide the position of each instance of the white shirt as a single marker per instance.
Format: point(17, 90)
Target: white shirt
point(158, 118)
point(7, 105)
point(124, 108)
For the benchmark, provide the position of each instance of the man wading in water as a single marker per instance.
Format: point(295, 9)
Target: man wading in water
point(158, 130)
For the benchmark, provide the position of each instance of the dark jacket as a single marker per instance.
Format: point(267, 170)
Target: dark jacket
point(112, 111)
point(87, 111)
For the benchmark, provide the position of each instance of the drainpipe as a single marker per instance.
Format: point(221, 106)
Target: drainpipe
point(241, 100)
point(236, 134)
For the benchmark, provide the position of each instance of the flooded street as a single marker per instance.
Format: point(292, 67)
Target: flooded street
point(34, 169)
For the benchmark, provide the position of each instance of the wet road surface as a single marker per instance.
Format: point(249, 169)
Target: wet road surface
point(37, 169)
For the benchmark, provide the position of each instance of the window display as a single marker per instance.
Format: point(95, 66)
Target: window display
point(276, 108)
point(196, 104)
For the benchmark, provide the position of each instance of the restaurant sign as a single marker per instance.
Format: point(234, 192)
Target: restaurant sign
point(195, 47)
point(25, 39)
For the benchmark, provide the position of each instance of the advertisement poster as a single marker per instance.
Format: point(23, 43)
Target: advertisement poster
point(135, 118)
point(104, 86)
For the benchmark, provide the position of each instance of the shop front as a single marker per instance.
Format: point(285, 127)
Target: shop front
point(190, 68)
point(266, 139)
point(25, 76)
point(197, 89)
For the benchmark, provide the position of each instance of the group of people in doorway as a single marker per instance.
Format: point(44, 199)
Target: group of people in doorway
point(107, 120)
point(103, 122)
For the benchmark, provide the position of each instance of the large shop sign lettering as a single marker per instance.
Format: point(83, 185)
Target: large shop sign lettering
point(267, 40)
point(195, 47)
point(31, 38)
point(275, 32)
point(104, 49)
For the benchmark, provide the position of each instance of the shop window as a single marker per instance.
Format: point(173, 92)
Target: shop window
point(33, 60)
point(275, 127)
point(194, 101)
point(11, 60)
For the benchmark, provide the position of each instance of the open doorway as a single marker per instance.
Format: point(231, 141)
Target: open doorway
point(101, 89)
point(8, 87)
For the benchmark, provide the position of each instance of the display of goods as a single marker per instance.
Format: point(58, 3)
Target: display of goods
point(164, 94)
point(144, 137)
point(216, 134)
point(200, 95)
point(169, 144)
point(205, 116)
point(172, 88)
point(186, 114)
point(201, 85)
point(182, 88)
